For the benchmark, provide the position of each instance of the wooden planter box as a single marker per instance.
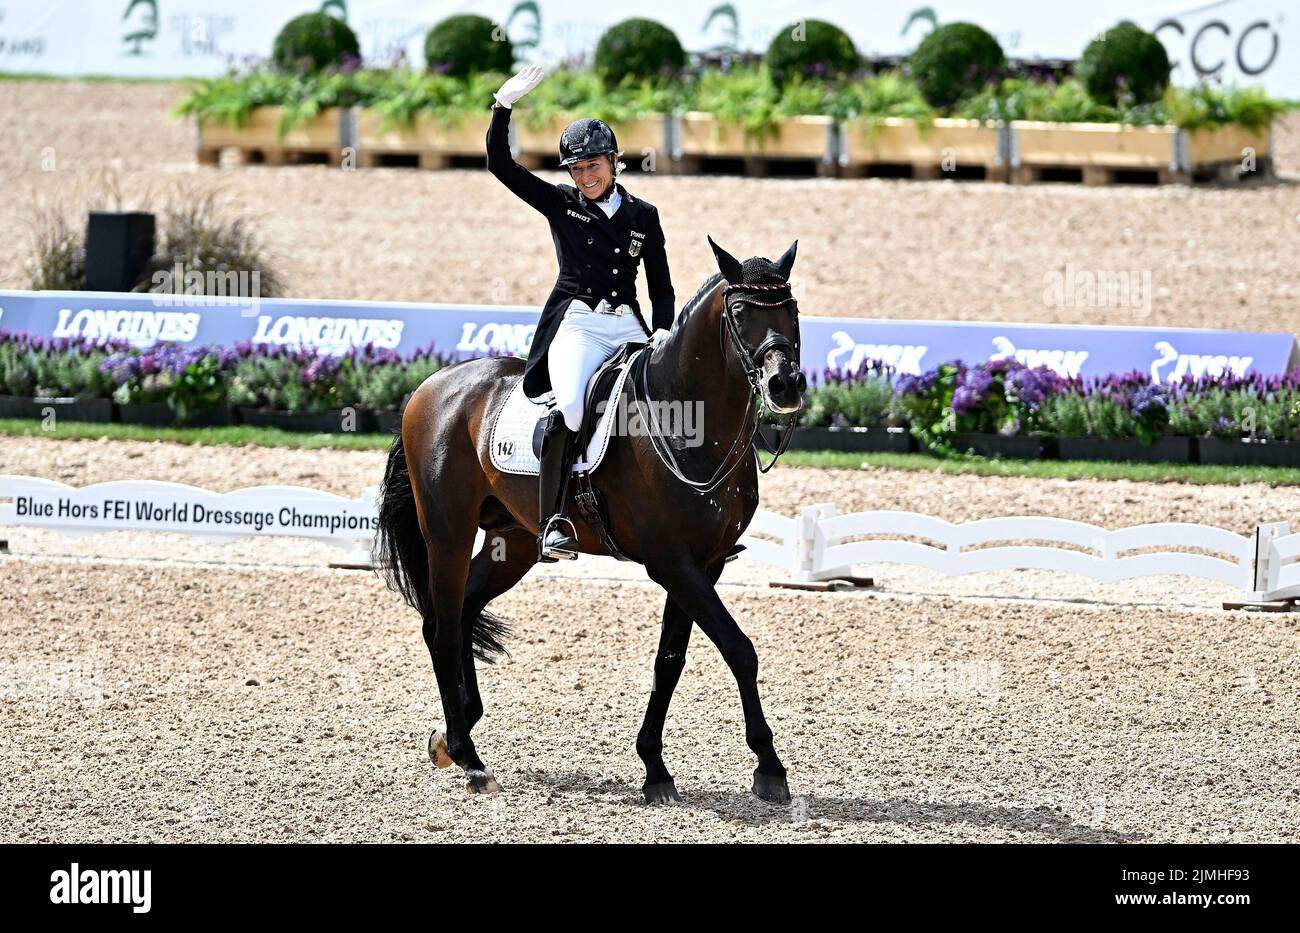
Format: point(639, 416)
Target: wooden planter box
point(1097, 150)
point(703, 135)
point(96, 410)
point(896, 141)
point(431, 138)
point(1247, 452)
point(1168, 449)
point(1222, 150)
point(1225, 144)
point(542, 144)
point(328, 133)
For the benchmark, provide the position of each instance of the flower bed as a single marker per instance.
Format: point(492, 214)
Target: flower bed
point(994, 408)
point(168, 385)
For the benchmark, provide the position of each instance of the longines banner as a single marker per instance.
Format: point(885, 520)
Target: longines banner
point(1246, 41)
point(477, 330)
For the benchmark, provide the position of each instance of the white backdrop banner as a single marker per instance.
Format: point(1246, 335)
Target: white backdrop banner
point(1246, 41)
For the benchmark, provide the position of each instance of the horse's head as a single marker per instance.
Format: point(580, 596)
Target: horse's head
point(761, 318)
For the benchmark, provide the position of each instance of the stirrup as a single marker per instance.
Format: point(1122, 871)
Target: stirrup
point(565, 548)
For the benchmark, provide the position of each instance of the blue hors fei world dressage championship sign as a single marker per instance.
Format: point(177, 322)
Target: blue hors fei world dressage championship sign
point(1167, 353)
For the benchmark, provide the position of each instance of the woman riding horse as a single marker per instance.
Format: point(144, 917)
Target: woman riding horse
point(601, 233)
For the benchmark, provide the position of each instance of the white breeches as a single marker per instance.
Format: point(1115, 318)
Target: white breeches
point(583, 341)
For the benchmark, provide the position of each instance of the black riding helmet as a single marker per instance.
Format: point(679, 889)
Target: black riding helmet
point(586, 139)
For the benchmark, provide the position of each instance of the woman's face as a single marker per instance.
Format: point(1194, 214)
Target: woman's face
point(592, 176)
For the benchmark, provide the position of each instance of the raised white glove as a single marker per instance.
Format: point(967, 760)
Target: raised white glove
point(658, 337)
point(520, 84)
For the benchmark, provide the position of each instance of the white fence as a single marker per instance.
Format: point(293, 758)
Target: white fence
point(817, 546)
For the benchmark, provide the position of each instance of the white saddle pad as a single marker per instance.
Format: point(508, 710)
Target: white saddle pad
point(516, 419)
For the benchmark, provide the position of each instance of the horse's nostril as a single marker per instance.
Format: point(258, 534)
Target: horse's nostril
point(776, 384)
point(801, 383)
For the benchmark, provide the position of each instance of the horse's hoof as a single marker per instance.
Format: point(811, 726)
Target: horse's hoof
point(481, 782)
point(771, 787)
point(438, 749)
point(663, 793)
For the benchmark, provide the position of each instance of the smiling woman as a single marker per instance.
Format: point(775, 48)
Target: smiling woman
point(601, 233)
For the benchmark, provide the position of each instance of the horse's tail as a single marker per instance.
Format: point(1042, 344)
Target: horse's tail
point(401, 557)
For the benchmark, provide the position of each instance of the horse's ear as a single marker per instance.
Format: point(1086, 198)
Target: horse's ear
point(786, 262)
point(728, 265)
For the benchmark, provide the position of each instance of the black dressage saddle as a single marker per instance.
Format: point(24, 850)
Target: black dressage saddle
point(591, 505)
point(598, 389)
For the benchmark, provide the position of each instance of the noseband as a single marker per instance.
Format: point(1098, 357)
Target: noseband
point(751, 362)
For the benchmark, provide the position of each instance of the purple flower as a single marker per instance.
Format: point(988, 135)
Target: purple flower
point(1149, 401)
point(965, 399)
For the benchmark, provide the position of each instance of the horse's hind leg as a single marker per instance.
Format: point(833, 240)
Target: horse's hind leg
point(506, 556)
point(449, 559)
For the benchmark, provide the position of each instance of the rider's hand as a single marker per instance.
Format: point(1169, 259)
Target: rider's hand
point(658, 337)
point(516, 87)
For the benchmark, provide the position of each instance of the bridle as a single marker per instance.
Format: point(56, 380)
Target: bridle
point(751, 363)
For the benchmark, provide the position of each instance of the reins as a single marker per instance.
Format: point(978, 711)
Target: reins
point(751, 364)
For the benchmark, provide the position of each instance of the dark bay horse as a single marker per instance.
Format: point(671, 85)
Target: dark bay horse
point(676, 505)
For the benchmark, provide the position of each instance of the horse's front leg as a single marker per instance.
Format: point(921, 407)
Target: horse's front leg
point(669, 661)
point(692, 588)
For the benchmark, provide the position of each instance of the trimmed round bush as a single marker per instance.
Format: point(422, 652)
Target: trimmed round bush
point(1125, 61)
point(819, 50)
point(638, 49)
point(955, 60)
point(464, 44)
point(314, 41)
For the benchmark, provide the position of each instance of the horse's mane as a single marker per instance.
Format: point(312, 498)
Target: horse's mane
point(697, 299)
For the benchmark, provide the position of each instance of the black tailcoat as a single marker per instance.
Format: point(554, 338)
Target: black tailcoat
point(598, 255)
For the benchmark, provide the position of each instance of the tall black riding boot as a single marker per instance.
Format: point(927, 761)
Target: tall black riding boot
point(556, 541)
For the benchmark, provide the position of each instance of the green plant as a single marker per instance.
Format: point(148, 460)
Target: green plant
point(1205, 106)
point(1028, 99)
point(1000, 396)
point(743, 96)
point(568, 93)
point(638, 49)
point(467, 43)
point(314, 41)
point(58, 260)
point(890, 94)
point(232, 99)
point(1067, 415)
point(955, 60)
point(216, 248)
point(405, 94)
point(748, 97)
point(1125, 65)
point(200, 386)
point(864, 399)
point(59, 367)
point(1113, 408)
point(811, 49)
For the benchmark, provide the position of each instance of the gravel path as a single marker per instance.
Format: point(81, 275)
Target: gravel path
point(867, 248)
point(146, 703)
point(258, 695)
